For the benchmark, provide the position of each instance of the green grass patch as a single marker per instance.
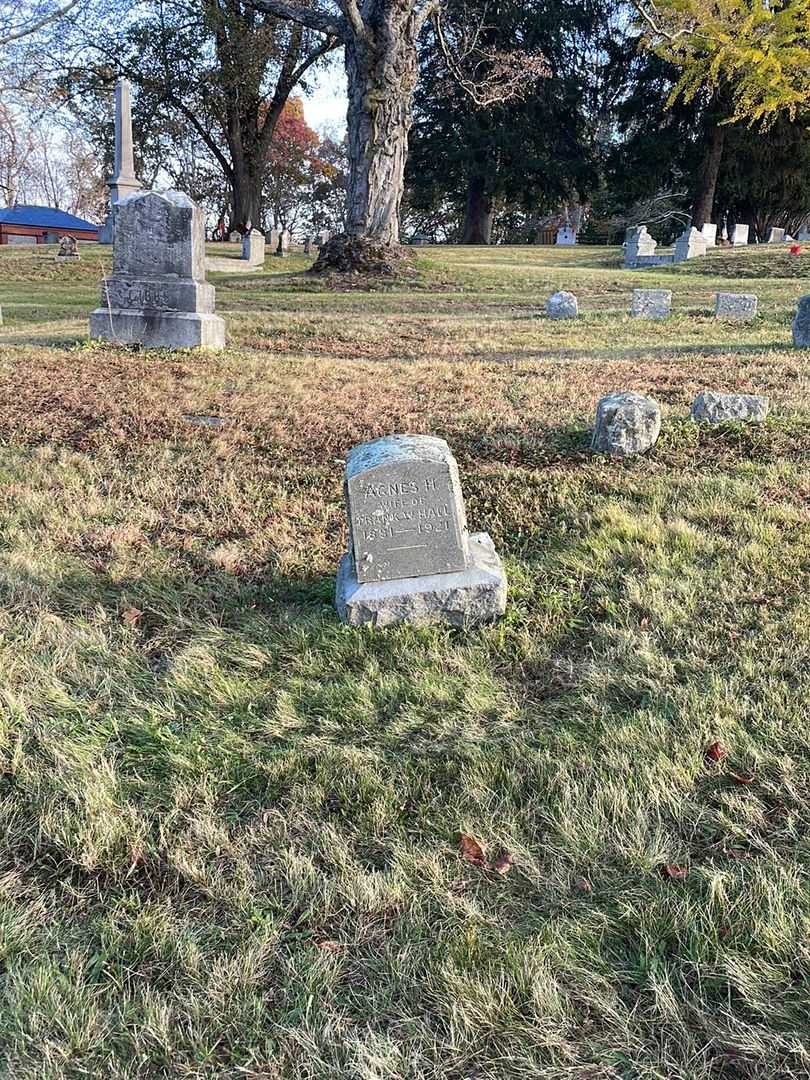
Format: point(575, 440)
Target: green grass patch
point(230, 842)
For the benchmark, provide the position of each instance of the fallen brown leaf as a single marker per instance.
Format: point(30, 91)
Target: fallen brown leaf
point(472, 851)
point(130, 615)
point(673, 872)
point(715, 752)
point(741, 778)
point(328, 946)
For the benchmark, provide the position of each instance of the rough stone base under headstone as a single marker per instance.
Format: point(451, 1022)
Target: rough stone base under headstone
point(159, 329)
point(465, 598)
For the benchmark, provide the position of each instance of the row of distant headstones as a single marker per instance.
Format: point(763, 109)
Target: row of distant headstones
point(657, 304)
point(411, 558)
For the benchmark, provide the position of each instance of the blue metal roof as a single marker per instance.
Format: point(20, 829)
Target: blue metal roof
point(42, 217)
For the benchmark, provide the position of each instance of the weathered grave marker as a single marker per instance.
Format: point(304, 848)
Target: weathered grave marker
point(68, 248)
point(562, 305)
point(739, 236)
point(411, 558)
point(157, 294)
point(801, 324)
point(709, 234)
point(638, 245)
point(253, 248)
point(691, 244)
point(123, 182)
point(626, 423)
point(738, 307)
point(715, 407)
point(651, 303)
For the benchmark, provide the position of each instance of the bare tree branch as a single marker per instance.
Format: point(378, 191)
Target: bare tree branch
point(10, 35)
point(314, 18)
point(488, 76)
point(355, 19)
point(655, 25)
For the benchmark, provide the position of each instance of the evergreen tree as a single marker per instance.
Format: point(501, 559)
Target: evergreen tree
point(528, 154)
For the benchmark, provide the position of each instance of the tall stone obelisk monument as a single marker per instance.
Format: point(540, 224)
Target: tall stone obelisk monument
point(123, 181)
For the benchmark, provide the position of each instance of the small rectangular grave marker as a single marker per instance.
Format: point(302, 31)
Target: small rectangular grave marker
point(739, 307)
point(651, 303)
point(406, 513)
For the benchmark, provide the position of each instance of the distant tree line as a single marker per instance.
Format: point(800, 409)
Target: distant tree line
point(473, 121)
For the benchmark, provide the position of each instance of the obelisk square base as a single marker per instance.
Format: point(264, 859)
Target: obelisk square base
point(158, 329)
point(463, 598)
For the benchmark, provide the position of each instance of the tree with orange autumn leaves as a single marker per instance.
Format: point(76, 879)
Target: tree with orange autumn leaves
point(294, 168)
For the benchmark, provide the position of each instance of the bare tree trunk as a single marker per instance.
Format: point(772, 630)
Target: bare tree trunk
point(477, 213)
point(708, 171)
point(381, 69)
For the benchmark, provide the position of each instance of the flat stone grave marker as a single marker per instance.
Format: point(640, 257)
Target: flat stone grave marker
point(651, 303)
point(739, 307)
point(714, 407)
point(411, 558)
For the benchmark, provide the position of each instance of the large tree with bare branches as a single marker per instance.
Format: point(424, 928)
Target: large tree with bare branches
point(379, 40)
point(219, 69)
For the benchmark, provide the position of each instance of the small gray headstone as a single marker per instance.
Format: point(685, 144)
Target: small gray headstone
point(626, 423)
point(651, 303)
point(562, 305)
point(739, 235)
point(235, 238)
point(410, 556)
point(804, 236)
point(776, 236)
point(68, 248)
point(157, 294)
point(801, 324)
point(566, 236)
point(715, 408)
point(740, 307)
point(406, 513)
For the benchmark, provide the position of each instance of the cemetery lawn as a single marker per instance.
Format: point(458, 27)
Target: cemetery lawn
point(230, 825)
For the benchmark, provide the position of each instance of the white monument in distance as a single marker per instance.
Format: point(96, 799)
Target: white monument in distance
point(123, 182)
